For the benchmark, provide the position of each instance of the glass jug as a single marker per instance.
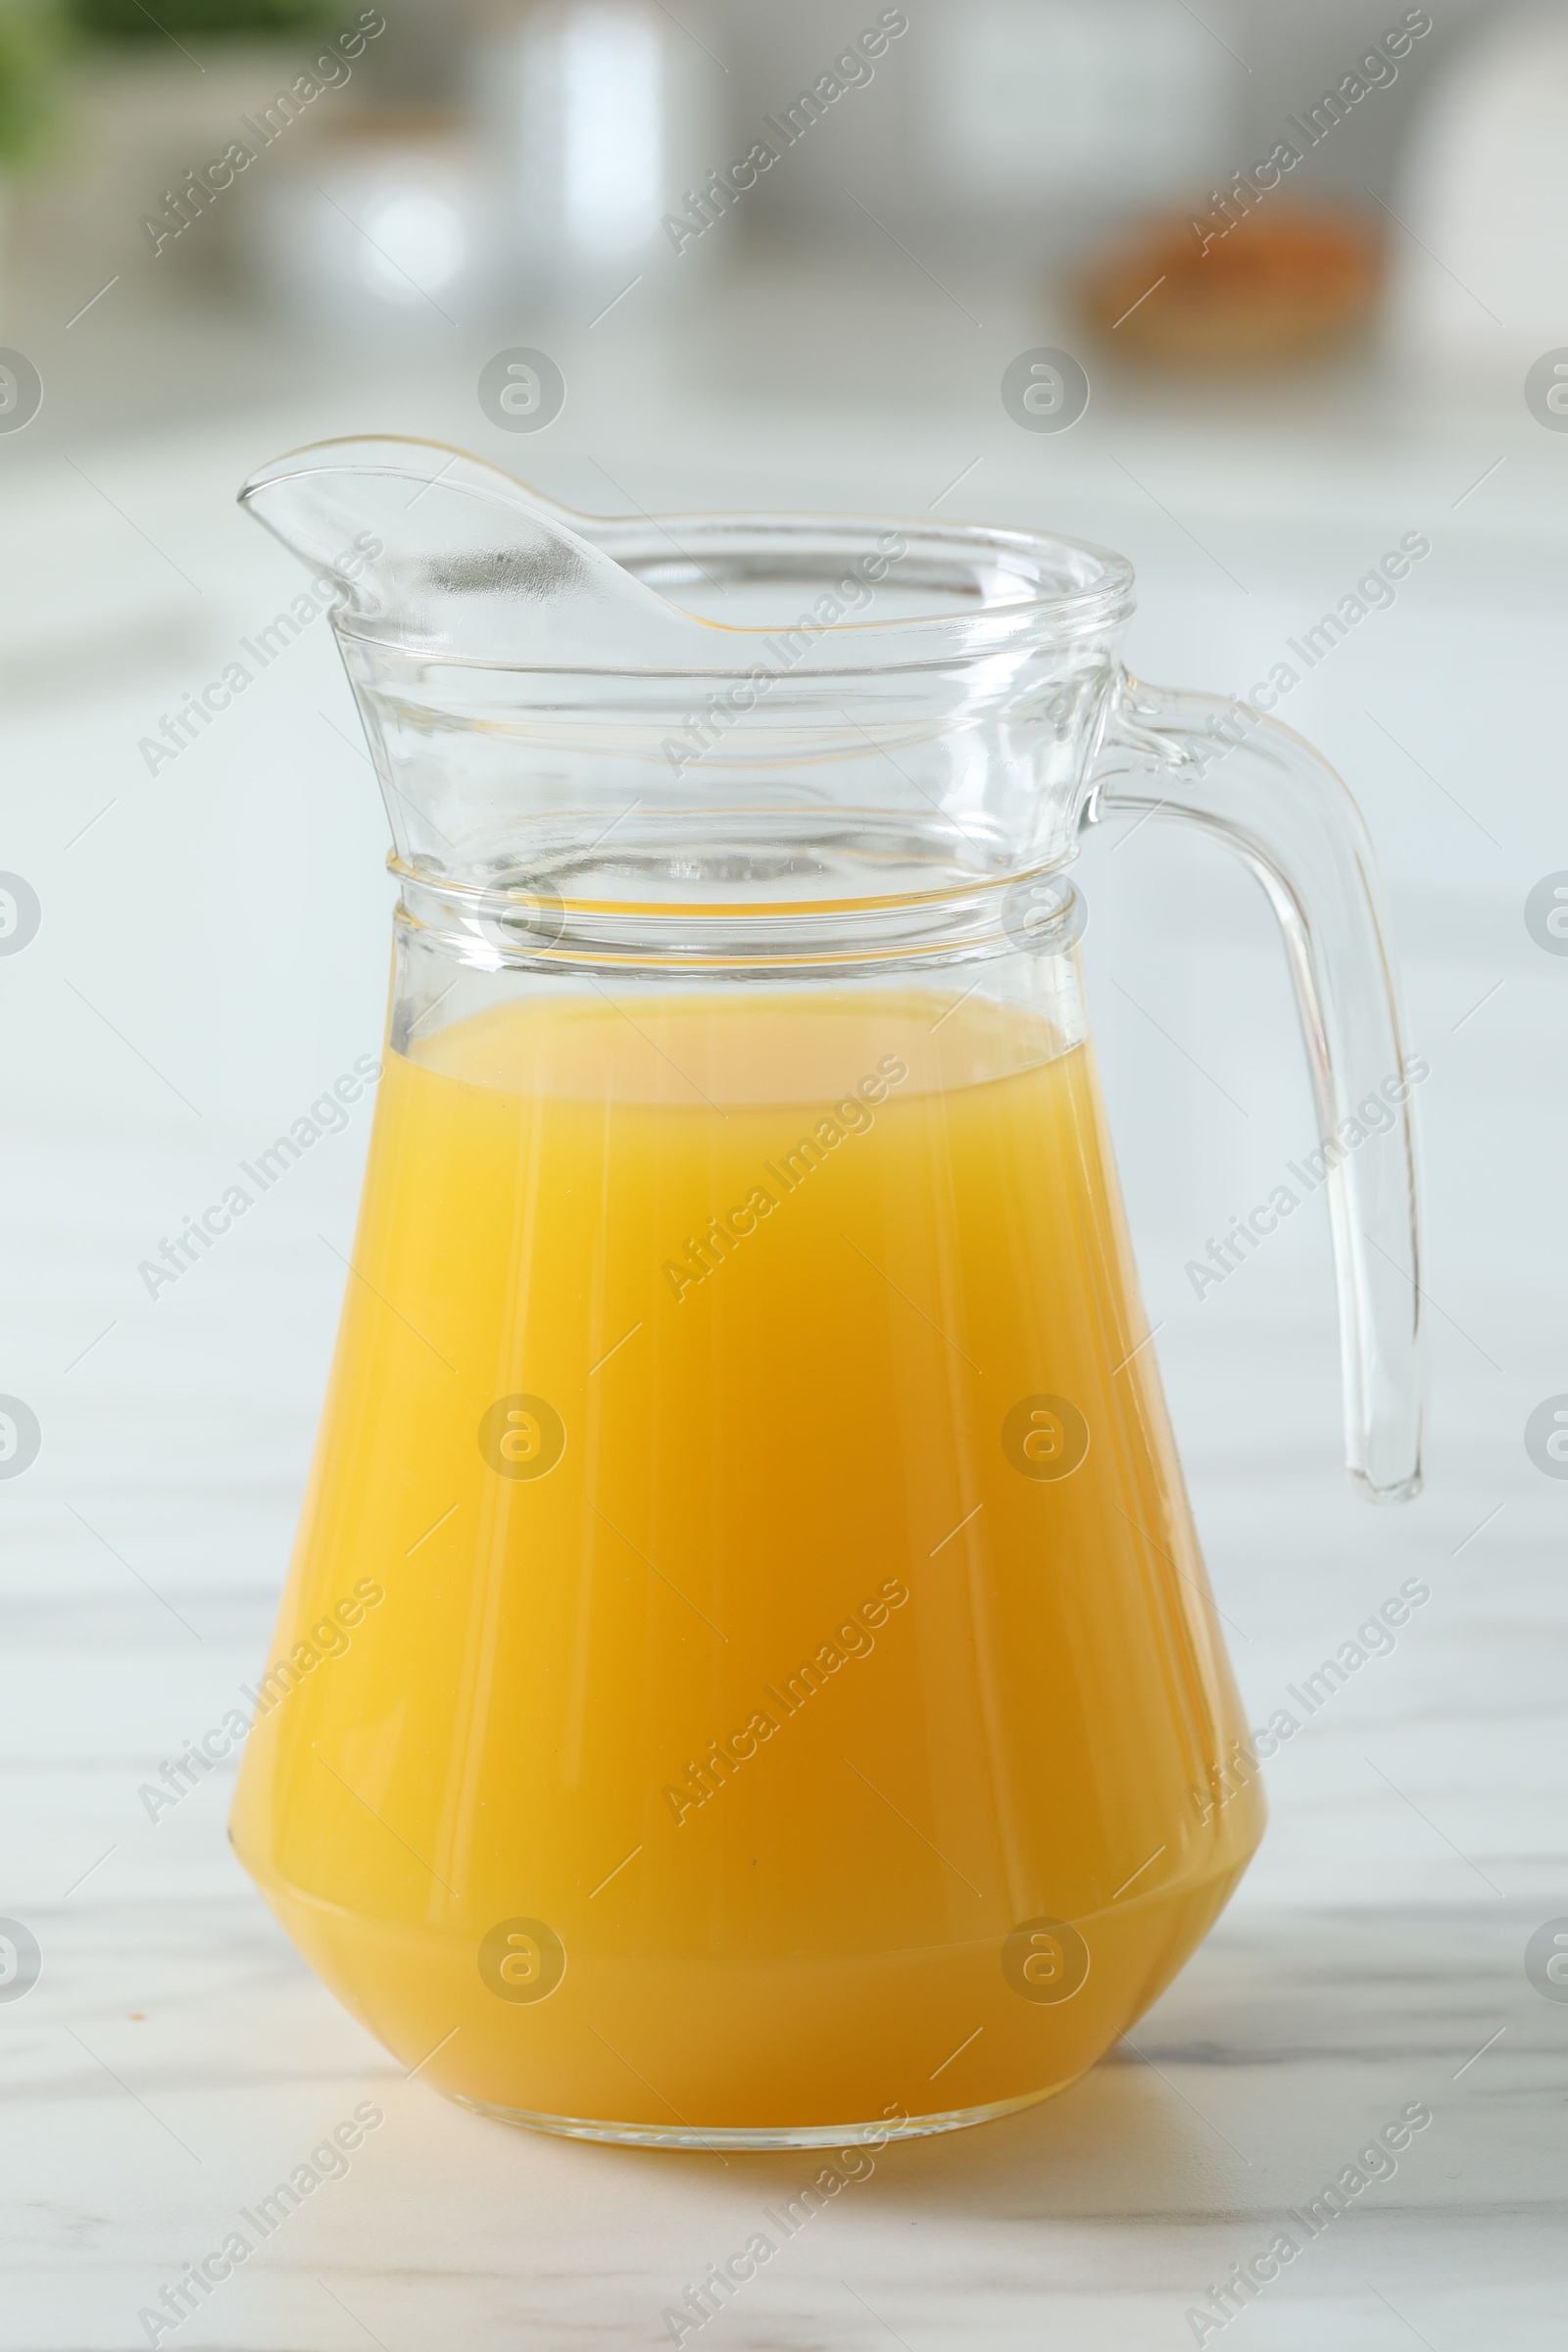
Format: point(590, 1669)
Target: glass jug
point(747, 1675)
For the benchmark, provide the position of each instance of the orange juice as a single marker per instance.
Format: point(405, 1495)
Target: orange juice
point(795, 1701)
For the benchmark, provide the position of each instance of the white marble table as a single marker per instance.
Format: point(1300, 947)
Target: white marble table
point(213, 954)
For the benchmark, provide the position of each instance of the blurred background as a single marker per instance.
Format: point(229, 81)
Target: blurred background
point(447, 167)
point(231, 227)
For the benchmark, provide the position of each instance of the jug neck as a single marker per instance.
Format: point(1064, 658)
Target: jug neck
point(830, 799)
point(526, 923)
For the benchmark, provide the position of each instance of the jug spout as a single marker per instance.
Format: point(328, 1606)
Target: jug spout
point(437, 552)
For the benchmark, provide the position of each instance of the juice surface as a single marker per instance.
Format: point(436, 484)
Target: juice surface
point(793, 1696)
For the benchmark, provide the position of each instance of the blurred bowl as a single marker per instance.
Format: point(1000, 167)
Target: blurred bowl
point(1284, 281)
point(375, 223)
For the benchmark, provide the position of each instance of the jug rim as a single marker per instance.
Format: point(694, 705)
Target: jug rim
point(964, 591)
point(947, 635)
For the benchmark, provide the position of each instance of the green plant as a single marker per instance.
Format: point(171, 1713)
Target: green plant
point(31, 38)
point(206, 20)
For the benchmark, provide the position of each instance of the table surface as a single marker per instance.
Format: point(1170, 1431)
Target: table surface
point(213, 954)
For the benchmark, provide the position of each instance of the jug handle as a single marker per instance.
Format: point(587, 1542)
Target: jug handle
point(1254, 783)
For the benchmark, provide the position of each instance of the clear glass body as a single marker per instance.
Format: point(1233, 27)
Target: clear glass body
point(747, 1672)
